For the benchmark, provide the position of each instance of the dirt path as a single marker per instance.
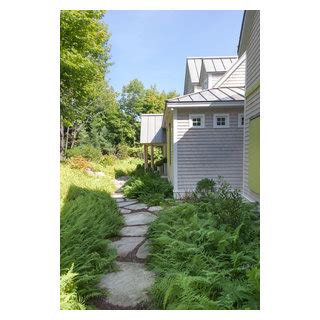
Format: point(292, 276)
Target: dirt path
point(127, 287)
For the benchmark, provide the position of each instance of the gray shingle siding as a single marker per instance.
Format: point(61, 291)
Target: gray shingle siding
point(209, 152)
point(252, 103)
point(253, 53)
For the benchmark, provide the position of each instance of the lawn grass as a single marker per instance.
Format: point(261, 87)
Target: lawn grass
point(89, 218)
point(205, 254)
point(126, 167)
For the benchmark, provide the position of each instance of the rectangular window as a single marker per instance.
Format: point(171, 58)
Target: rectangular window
point(240, 120)
point(221, 120)
point(196, 121)
point(254, 155)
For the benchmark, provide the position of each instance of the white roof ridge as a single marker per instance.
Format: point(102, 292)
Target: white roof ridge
point(230, 71)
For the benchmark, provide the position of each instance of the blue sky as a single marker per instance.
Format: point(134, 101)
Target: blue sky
point(152, 46)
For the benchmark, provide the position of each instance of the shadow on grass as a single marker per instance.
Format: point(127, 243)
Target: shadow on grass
point(88, 219)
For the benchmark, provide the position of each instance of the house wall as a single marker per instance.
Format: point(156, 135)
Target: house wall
point(169, 150)
point(208, 152)
point(213, 78)
point(252, 104)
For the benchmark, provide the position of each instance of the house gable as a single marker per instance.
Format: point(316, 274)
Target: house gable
point(235, 77)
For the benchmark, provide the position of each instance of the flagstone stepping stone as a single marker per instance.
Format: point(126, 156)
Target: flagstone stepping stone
point(123, 210)
point(119, 200)
point(134, 231)
point(126, 203)
point(117, 195)
point(143, 251)
point(126, 244)
point(127, 287)
point(155, 208)
point(138, 206)
point(139, 218)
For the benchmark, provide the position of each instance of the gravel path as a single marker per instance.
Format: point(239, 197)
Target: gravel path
point(127, 287)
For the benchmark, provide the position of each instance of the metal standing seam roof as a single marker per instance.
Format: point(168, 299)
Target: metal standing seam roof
point(151, 131)
point(213, 95)
point(211, 64)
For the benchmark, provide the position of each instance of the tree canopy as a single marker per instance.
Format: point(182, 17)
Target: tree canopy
point(90, 110)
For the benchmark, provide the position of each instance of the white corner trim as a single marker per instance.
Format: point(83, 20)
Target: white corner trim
point(201, 116)
point(240, 115)
point(175, 150)
point(227, 123)
point(244, 155)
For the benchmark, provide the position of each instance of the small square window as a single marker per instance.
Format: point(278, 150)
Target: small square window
point(221, 121)
point(196, 120)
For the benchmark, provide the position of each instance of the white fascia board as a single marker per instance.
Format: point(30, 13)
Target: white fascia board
point(221, 104)
point(229, 73)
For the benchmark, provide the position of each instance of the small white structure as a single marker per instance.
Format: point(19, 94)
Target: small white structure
point(152, 134)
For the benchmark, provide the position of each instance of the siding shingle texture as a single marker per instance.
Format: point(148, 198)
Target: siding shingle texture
point(209, 152)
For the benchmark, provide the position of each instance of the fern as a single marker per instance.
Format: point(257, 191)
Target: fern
point(69, 299)
point(206, 254)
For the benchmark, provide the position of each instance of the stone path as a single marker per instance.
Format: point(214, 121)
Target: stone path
point(127, 287)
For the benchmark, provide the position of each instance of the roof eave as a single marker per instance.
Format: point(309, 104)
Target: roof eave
point(192, 104)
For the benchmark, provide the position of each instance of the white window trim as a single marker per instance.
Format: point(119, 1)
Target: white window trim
point(240, 115)
point(201, 116)
point(216, 115)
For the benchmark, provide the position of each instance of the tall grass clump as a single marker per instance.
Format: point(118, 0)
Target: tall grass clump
point(206, 252)
point(148, 187)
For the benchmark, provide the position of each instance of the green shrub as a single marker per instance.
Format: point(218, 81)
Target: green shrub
point(126, 167)
point(108, 148)
point(87, 151)
point(122, 151)
point(161, 162)
point(79, 162)
point(148, 187)
point(136, 152)
point(203, 257)
point(205, 186)
point(69, 299)
point(108, 160)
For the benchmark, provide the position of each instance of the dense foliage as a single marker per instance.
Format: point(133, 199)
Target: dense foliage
point(206, 253)
point(69, 299)
point(135, 100)
point(148, 187)
point(89, 217)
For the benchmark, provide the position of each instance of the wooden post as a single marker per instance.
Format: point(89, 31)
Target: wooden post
point(152, 157)
point(145, 157)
